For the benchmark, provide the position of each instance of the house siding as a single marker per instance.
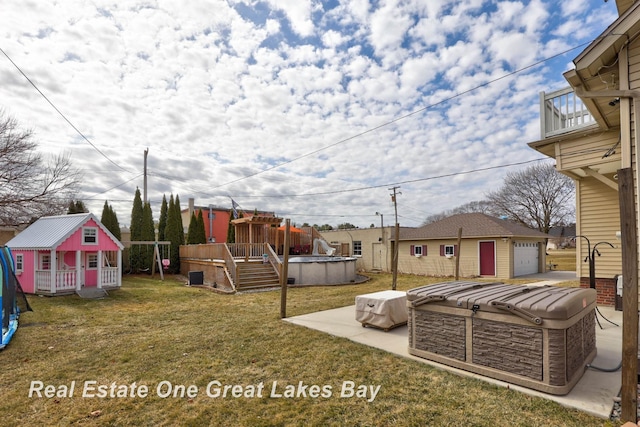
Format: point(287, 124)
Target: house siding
point(74, 242)
point(599, 222)
point(376, 246)
point(435, 264)
point(588, 151)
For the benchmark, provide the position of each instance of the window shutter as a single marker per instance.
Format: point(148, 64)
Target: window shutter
point(455, 250)
point(412, 250)
point(424, 250)
point(441, 250)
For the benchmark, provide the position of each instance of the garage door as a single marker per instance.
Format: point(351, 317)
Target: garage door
point(525, 258)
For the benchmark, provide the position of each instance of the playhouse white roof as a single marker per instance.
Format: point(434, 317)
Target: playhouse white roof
point(50, 231)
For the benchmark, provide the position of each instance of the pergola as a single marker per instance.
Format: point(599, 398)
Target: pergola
point(255, 229)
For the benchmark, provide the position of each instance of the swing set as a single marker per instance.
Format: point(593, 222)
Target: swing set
point(161, 256)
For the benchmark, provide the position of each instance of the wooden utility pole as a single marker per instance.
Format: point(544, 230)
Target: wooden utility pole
point(629, 241)
point(397, 239)
point(458, 254)
point(146, 152)
point(285, 270)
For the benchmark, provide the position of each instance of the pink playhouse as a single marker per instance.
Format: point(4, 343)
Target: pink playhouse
point(67, 254)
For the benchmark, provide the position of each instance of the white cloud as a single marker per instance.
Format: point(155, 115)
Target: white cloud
point(218, 93)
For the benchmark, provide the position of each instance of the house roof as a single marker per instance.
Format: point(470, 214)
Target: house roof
point(50, 231)
point(474, 225)
point(563, 231)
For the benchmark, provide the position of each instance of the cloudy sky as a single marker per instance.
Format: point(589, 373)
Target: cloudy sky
point(310, 109)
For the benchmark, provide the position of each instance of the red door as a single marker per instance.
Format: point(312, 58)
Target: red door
point(487, 259)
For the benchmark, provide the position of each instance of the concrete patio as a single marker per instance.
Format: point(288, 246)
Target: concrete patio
point(594, 393)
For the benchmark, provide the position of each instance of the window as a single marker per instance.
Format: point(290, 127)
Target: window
point(19, 262)
point(357, 248)
point(449, 250)
point(90, 236)
point(418, 250)
point(92, 261)
point(45, 262)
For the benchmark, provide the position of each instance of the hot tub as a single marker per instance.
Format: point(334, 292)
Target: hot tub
point(322, 270)
point(537, 337)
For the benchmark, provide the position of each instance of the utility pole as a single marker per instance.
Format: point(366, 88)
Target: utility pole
point(146, 151)
point(397, 238)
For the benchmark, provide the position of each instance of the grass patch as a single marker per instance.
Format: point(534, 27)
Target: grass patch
point(151, 331)
point(564, 259)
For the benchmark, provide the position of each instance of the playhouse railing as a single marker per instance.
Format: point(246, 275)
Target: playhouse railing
point(65, 281)
point(109, 276)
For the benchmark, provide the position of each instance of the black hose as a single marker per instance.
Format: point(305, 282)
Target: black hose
point(605, 369)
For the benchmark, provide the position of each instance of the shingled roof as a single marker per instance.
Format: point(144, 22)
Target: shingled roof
point(474, 225)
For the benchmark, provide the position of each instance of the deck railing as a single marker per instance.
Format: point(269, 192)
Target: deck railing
point(562, 111)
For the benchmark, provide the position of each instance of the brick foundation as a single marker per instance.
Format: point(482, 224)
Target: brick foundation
point(605, 288)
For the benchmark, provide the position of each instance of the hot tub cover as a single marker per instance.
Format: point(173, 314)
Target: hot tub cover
point(384, 309)
point(534, 303)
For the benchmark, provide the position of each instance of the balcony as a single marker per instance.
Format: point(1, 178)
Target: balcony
point(562, 111)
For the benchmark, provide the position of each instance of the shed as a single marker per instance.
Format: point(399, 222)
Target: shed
point(66, 253)
point(490, 247)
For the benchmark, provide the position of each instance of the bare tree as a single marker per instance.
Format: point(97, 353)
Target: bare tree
point(480, 206)
point(29, 186)
point(538, 197)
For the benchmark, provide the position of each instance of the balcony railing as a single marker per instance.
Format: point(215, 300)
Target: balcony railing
point(562, 111)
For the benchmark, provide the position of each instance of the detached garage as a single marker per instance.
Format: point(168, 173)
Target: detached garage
point(489, 247)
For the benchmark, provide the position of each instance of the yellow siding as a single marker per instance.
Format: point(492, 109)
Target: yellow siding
point(587, 151)
point(435, 265)
point(375, 243)
point(599, 221)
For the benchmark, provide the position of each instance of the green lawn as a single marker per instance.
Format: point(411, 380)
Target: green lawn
point(171, 338)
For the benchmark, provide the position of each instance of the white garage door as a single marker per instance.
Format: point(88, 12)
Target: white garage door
point(525, 258)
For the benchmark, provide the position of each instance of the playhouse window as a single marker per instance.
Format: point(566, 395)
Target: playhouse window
point(90, 236)
point(19, 262)
point(92, 261)
point(357, 248)
point(45, 262)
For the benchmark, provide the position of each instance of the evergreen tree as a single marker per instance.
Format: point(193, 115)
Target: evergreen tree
point(136, 232)
point(201, 233)
point(137, 217)
point(80, 207)
point(110, 220)
point(176, 206)
point(162, 223)
point(175, 234)
point(148, 234)
point(76, 207)
point(106, 218)
point(191, 234)
point(116, 224)
point(231, 231)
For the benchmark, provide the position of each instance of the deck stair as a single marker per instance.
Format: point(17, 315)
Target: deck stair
point(253, 275)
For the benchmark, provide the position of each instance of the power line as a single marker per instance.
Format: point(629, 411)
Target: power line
point(420, 110)
point(322, 193)
point(59, 112)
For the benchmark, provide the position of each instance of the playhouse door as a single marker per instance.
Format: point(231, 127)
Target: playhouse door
point(90, 269)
